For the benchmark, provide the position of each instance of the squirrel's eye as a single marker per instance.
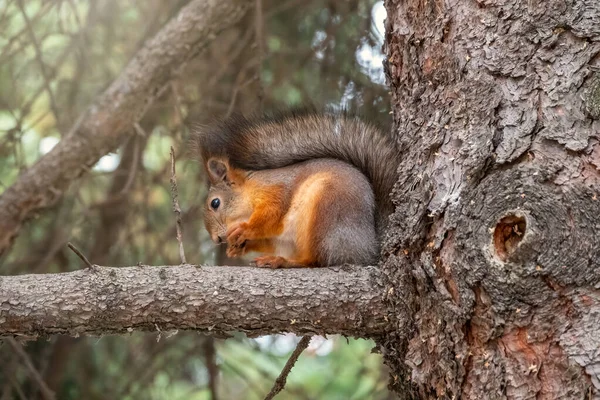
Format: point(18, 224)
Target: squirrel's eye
point(215, 203)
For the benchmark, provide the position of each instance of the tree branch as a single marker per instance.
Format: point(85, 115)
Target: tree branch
point(220, 300)
point(108, 123)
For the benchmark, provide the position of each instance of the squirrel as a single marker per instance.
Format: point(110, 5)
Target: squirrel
point(306, 189)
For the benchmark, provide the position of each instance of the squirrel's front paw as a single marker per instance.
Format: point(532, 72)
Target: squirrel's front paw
point(236, 251)
point(237, 235)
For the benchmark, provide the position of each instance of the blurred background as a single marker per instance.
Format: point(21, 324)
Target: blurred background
point(56, 56)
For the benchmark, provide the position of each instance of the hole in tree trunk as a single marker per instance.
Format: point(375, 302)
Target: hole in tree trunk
point(507, 235)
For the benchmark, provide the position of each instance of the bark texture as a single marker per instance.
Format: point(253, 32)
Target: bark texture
point(219, 300)
point(495, 239)
point(109, 122)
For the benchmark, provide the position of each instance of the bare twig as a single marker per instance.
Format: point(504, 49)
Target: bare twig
point(9, 370)
point(134, 166)
point(281, 7)
point(80, 255)
point(15, 385)
point(76, 15)
point(238, 86)
point(281, 379)
point(210, 356)
point(38, 57)
point(15, 38)
point(258, 32)
point(177, 100)
point(241, 45)
point(241, 373)
point(260, 26)
point(35, 375)
point(176, 208)
point(142, 370)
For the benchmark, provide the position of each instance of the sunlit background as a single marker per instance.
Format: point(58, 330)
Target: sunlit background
point(55, 58)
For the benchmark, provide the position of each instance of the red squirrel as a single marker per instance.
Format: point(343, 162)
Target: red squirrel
point(305, 189)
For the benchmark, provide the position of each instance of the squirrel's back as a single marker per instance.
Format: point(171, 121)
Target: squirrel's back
point(275, 141)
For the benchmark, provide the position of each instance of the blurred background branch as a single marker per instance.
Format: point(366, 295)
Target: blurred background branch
point(111, 119)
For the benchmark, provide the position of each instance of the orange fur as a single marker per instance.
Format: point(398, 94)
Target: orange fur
point(269, 219)
point(308, 194)
point(265, 222)
point(260, 246)
point(268, 210)
point(236, 176)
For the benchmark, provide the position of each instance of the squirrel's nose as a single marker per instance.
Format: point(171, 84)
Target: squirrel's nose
point(219, 239)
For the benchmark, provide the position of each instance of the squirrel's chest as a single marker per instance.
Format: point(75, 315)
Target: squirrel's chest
point(299, 230)
point(285, 244)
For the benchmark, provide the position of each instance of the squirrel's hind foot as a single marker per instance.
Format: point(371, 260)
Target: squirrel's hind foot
point(277, 262)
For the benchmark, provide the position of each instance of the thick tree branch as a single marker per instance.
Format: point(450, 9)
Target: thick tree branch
point(105, 300)
point(108, 123)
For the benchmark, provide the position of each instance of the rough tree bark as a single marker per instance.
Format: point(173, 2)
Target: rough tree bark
point(495, 243)
point(109, 122)
point(217, 300)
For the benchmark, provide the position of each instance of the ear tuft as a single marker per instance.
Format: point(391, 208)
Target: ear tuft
point(217, 170)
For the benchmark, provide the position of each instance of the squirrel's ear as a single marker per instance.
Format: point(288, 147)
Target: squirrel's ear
point(217, 170)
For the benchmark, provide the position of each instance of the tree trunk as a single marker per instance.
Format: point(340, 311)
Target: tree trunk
point(494, 247)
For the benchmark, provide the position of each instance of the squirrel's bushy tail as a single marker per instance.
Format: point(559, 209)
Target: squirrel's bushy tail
point(275, 141)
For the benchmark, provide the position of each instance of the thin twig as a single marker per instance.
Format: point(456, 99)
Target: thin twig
point(259, 36)
point(139, 130)
point(250, 382)
point(210, 356)
point(15, 385)
point(9, 367)
point(6, 48)
point(159, 93)
point(176, 208)
point(76, 15)
point(38, 57)
point(281, 379)
point(35, 375)
point(241, 45)
point(177, 102)
point(80, 255)
point(236, 90)
point(281, 7)
point(133, 167)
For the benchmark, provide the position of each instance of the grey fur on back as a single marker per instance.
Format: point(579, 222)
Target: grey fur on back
point(351, 235)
